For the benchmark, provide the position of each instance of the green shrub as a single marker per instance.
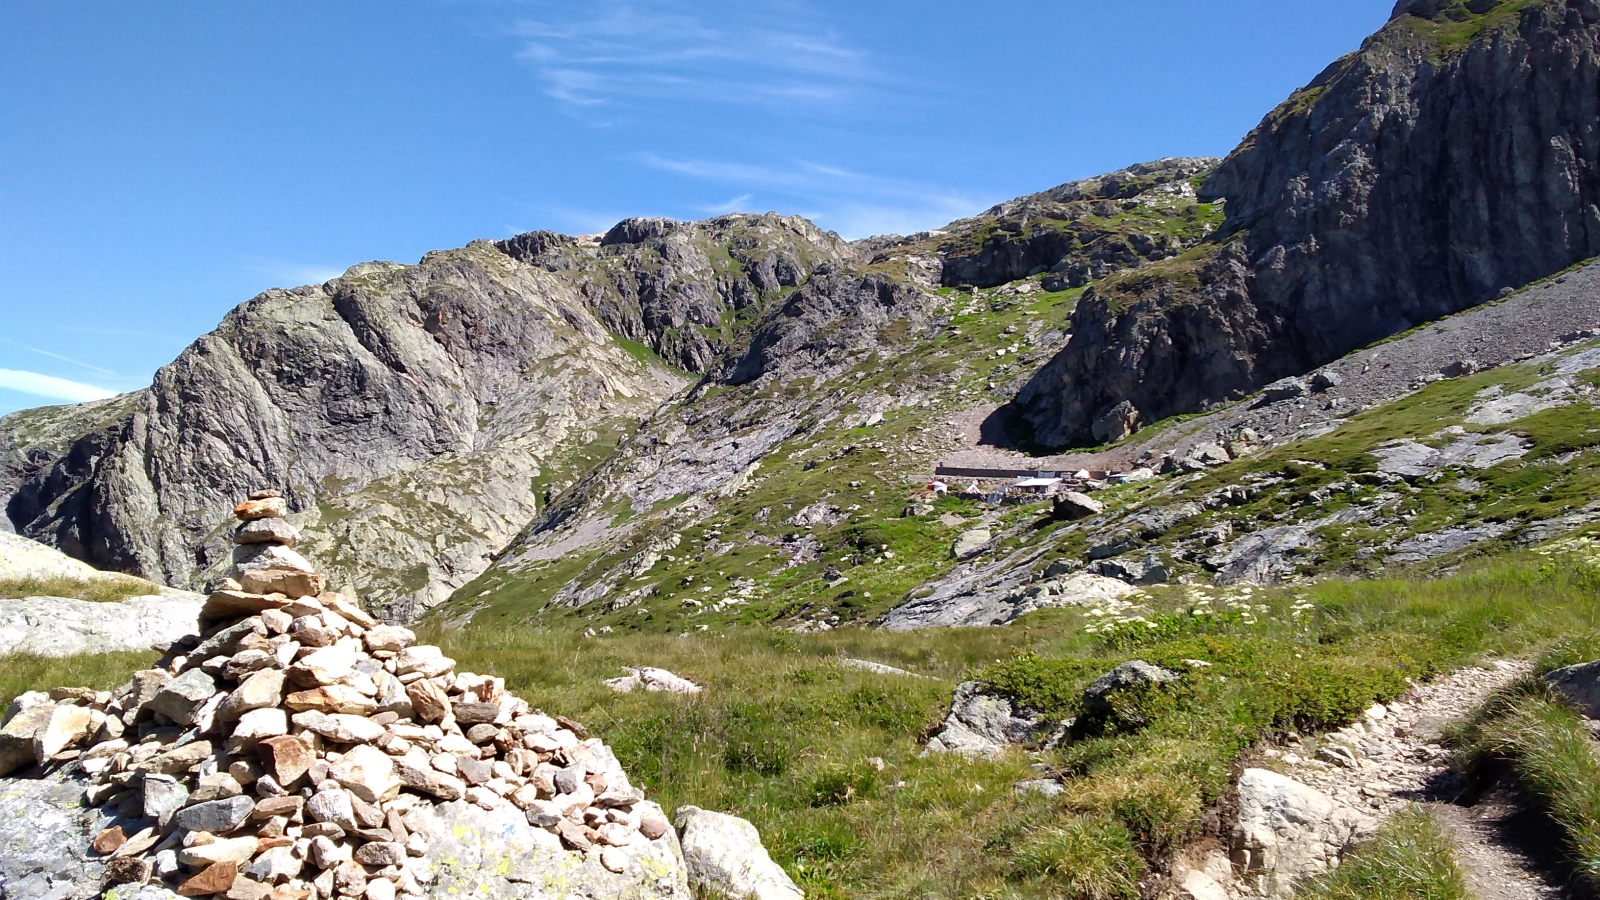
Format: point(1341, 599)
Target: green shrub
point(1082, 859)
point(1410, 858)
point(838, 784)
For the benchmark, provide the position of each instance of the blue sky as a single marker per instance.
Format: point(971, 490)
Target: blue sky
point(160, 163)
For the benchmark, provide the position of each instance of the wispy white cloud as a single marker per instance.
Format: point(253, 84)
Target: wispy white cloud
point(51, 387)
point(740, 203)
point(293, 274)
point(65, 359)
point(615, 52)
point(855, 204)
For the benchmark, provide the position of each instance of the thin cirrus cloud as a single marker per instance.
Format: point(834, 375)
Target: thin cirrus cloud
point(291, 274)
point(852, 203)
point(614, 53)
point(50, 387)
point(66, 359)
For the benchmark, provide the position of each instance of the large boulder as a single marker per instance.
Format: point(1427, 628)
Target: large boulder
point(1133, 675)
point(1071, 505)
point(497, 855)
point(724, 855)
point(652, 679)
point(982, 723)
point(1287, 832)
point(44, 840)
point(58, 627)
point(1579, 686)
point(972, 542)
point(1116, 423)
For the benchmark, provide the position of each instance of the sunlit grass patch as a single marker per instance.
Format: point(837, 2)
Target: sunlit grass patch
point(99, 671)
point(108, 588)
point(1410, 858)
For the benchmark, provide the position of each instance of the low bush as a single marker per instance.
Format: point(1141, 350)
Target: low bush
point(1085, 858)
point(1410, 858)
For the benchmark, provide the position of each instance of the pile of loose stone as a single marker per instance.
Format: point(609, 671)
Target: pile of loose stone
point(297, 747)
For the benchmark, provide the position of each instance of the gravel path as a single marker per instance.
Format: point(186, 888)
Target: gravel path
point(1557, 313)
point(1508, 852)
point(1396, 758)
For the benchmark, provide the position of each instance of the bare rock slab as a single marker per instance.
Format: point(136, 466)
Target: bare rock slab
point(1287, 831)
point(724, 855)
point(59, 627)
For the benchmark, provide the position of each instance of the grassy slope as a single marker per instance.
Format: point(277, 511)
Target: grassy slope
point(786, 736)
point(872, 472)
point(868, 472)
point(111, 587)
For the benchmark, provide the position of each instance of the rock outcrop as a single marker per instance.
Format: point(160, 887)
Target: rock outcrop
point(1080, 231)
point(298, 748)
point(407, 413)
point(60, 626)
point(984, 723)
point(149, 616)
point(673, 286)
point(1286, 832)
point(1134, 676)
point(1447, 160)
point(653, 680)
point(724, 855)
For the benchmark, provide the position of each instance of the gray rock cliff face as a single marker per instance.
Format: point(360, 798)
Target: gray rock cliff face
point(769, 389)
point(674, 286)
point(405, 411)
point(1453, 156)
point(1074, 231)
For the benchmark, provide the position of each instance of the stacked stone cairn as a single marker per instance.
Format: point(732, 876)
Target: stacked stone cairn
point(297, 749)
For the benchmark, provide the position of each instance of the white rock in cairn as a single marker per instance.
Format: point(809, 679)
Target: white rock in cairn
point(220, 740)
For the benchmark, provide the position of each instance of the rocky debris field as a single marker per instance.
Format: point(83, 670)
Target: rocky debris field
point(298, 749)
point(1492, 460)
point(1547, 316)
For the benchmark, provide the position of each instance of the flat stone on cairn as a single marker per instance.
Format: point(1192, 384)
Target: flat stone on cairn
point(264, 548)
point(298, 749)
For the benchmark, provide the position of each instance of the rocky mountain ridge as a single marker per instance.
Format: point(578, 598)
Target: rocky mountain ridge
point(751, 382)
point(410, 411)
point(409, 482)
point(1446, 161)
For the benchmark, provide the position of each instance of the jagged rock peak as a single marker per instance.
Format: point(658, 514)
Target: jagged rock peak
point(1444, 162)
point(639, 230)
point(406, 412)
point(1122, 184)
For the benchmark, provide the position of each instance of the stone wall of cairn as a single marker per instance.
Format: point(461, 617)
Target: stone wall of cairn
point(297, 749)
